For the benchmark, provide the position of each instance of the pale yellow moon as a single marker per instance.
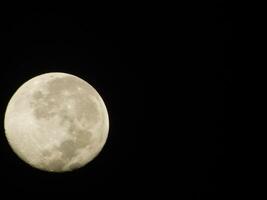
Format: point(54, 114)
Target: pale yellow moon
point(56, 122)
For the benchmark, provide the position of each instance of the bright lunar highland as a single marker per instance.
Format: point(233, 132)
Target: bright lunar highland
point(56, 122)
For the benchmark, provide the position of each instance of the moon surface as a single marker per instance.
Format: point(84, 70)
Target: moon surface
point(56, 122)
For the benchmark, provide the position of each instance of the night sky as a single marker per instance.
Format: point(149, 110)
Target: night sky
point(165, 77)
point(97, 48)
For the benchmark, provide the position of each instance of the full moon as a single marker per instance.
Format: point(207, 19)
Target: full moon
point(56, 122)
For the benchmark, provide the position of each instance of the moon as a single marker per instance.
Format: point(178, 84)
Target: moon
point(56, 122)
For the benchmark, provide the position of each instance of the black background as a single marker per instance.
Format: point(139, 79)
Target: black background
point(99, 47)
point(175, 64)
